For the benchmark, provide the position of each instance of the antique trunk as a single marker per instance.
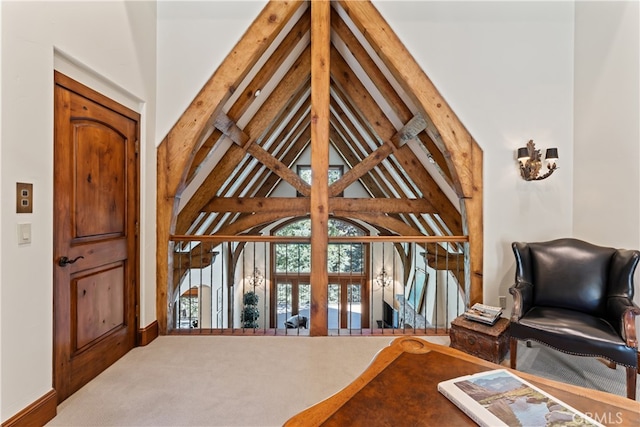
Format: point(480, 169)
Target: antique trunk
point(487, 342)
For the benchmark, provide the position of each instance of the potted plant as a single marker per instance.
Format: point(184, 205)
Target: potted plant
point(250, 312)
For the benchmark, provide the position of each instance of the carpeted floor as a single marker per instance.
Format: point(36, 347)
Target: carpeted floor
point(582, 371)
point(260, 381)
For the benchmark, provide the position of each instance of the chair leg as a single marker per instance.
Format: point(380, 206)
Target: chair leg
point(609, 364)
point(513, 351)
point(632, 374)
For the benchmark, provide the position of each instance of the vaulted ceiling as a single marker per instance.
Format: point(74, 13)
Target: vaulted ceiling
point(219, 167)
point(385, 142)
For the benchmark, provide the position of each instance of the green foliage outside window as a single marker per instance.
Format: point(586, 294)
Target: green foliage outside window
point(342, 257)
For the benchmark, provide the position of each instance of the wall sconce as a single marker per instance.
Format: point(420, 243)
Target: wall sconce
point(256, 280)
point(530, 162)
point(383, 279)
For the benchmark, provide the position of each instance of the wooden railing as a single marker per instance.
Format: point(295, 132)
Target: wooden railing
point(376, 285)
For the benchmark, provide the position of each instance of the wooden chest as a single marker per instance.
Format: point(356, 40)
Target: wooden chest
point(487, 342)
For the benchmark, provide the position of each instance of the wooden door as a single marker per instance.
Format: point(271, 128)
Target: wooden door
point(95, 225)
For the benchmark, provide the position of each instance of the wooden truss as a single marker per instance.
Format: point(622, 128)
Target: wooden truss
point(321, 75)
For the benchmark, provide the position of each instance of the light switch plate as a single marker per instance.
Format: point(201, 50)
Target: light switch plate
point(24, 234)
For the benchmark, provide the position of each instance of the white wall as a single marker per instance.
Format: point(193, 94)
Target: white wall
point(607, 123)
point(110, 46)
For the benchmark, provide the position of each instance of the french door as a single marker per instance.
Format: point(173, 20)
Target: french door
point(293, 297)
point(348, 301)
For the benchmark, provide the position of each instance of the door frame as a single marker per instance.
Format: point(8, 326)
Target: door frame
point(80, 89)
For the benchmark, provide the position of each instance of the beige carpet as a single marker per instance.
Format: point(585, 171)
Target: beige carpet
point(262, 381)
point(220, 381)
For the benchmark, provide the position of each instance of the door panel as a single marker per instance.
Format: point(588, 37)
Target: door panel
point(100, 180)
point(99, 304)
point(95, 217)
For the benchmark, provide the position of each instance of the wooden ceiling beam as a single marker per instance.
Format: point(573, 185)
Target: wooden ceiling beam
point(297, 104)
point(289, 155)
point(301, 205)
point(289, 131)
point(230, 129)
point(357, 93)
point(284, 92)
point(382, 220)
point(280, 169)
point(377, 187)
point(258, 204)
point(381, 174)
point(271, 180)
point(203, 153)
point(409, 131)
point(296, 120)
point(386, 205)
point(364, 135)
point(456, 140)
point(250, 221)
point(209, 187)
point(268, 70)
point(183, 262)
point(388, 92)
point(359, 170)
point(242, 104)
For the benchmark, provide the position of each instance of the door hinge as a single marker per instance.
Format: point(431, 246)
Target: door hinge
point(137, 146)
point(137, 228)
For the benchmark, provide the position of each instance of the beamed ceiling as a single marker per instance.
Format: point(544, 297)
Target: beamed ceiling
point(239, 140)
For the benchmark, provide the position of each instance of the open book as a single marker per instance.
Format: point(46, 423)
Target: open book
point(500, 398)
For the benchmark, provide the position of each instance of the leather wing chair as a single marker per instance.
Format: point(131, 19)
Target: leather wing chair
point(576, 297)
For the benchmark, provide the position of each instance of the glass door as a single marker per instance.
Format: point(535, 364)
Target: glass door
point(346, 304)
point(293, 297)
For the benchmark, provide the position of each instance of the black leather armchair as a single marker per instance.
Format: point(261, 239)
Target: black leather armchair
point(577, 298)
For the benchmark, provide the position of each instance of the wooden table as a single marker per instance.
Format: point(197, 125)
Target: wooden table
point(399, 388)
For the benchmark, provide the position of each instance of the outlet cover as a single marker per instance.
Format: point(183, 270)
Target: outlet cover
point(503, 301)
point(24, 197)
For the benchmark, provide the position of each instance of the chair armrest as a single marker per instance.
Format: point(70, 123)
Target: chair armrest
point(522, 299)
point(623, 311)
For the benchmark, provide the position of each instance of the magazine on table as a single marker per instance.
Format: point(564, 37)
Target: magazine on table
point(483, 313)
point(500, 398)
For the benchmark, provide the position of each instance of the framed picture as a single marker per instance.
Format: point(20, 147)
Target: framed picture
point(416, 294)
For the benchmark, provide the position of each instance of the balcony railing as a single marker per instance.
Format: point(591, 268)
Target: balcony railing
point(262, 285)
